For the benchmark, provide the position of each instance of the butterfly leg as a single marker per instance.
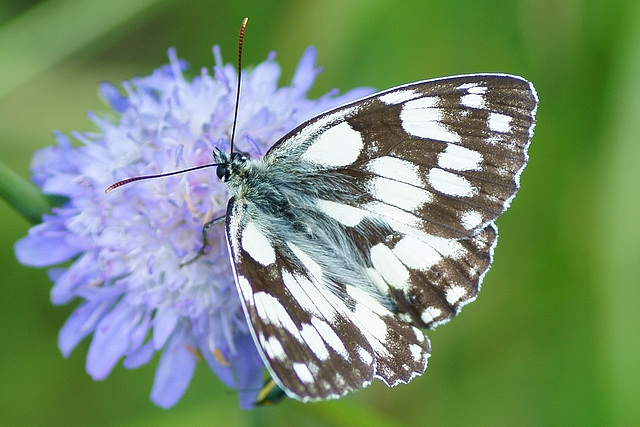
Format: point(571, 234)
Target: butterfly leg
point(205, 241)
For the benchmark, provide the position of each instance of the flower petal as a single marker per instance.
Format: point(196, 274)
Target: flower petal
point(44, 246)
point(139, 357)
point(81, 323)
point(248, 373)
point(175, 369)
point(110, 340)
point(81, 272)
point(112, 95)
point(164, 323)
point(306, 71)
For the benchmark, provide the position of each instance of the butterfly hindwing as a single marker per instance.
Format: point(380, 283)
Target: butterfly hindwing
point(319, 336)
point(430, 278)
point(373, 220)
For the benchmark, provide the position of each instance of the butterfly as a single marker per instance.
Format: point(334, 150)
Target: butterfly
point(371, 222)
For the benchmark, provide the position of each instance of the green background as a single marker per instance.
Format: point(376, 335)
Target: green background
point(554, 338)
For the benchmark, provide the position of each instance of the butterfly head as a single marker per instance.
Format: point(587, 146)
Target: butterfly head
point(228, 163)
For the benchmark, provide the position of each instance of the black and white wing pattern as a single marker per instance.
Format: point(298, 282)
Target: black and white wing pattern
point(370, 222)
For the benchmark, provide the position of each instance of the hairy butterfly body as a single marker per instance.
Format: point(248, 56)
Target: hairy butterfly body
point(370, 222)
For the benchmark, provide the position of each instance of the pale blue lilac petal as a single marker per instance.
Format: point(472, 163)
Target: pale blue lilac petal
point(140, 357)
point(264, 80)
point(248, 374)
point(81, 323)
point(44, 246)
point(112, 95)
point(81, 272)
point(110, 340)
point(175, 369)
point(219, 362)
point(352, 95)
point(164, 322)
point(112, 292)
point(139, 333)
point(215, 348)
point(306, 71)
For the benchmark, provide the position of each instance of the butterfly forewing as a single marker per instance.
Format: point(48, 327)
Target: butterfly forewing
point(445, 153)
point(372, 220)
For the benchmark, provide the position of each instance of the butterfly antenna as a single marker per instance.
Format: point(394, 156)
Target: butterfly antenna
point(235, 112)
point(159, 175)
point(233, 130)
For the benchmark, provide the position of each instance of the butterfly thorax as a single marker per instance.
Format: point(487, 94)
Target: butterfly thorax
point(264, 191)
point(282, 202)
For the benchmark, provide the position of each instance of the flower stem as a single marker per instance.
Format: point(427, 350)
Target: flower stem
point(22, 195)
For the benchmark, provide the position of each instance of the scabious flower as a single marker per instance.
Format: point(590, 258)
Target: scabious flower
point(126, 253)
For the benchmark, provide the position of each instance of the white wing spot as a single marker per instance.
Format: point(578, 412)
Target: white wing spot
point(364, 298)
point(301, 295)
point(450, 184)
point(344, 214)
point(416, 254)
point(390, 267)
point(365, 355)
point(314, 341)
point(270, 310)
point(303, 372)
point(339, 145)
point(396, 169)
point(423, 119)
point(416, 351)
point(313, 368)
point(330, 337)
point(467, 86)
point(377, 280)
point(396, 193)
point(475, 88)
point(405, 317)
point(423, 253)
point(455, 293)
point(430, 314)
point(245, 288)
point(338, 380)
point(397, 96)
point(257, 245)
point(310, 132)
point(474, 97)
point(499, 122)
point(273, 348)
point(456, 157)
point(312, 266)
point(473, 100)
point(392, 214)
point(374, 327)
point(471, 220)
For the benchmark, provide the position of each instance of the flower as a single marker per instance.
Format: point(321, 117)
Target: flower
point(126, 252)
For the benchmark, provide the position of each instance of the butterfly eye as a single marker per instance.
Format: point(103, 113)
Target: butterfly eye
point(223, 172)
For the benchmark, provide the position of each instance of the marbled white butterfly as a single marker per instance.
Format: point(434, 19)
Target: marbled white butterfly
point(370, 222)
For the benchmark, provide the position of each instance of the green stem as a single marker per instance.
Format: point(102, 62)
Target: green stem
point(22, 195)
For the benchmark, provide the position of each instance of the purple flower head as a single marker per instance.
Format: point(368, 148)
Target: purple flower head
point(126, 251)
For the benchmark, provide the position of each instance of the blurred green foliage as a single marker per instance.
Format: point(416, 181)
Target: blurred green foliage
point(554, 338)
